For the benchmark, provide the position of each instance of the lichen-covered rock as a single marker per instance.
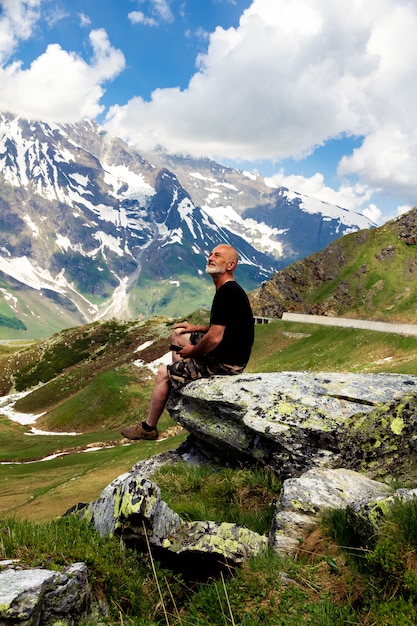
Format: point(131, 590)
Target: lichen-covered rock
point(289, 421)
point(131, 507)
point(303, 499)
point(365, 516)
point(384, 441)
point(40, 596)
point(312, 429)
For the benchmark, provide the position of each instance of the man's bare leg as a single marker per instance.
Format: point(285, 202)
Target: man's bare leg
point(159, 397)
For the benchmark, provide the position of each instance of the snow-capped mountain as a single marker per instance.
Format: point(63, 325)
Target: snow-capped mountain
point(90, 229)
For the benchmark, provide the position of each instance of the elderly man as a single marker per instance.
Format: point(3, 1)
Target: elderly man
point(222, 348)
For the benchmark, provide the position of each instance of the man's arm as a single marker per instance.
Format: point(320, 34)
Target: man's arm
point(211, 339)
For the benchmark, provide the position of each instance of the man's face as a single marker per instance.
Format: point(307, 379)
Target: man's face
point(217, 262)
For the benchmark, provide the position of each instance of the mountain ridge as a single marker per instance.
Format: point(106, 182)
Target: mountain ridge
point(90, 229)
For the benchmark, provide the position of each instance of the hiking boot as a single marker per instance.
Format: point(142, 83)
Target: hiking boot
point(138, 432)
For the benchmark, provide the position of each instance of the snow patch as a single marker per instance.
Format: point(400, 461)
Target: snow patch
point(80, 179)
point(22, 270)
point(250, 175)
point(329, 211)
point(32, 226)
point(7, 409)
point(63, 242)
point(10, 299)
point(145, 345)
point(258, 234)
point(118, 175)
point(185, 210)
point(165, 359)
point(108, 241)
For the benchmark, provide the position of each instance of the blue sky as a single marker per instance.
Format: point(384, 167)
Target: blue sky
point(315, 95)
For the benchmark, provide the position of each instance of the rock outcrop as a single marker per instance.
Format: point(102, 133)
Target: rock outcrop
point(131, 507)
point(315, 430)
point(296, 421)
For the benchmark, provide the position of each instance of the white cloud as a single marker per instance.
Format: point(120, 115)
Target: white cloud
point(373, 213)
point(84, 19)
point(404, 208)
point(160, 11)
point(54, 16)
point(16, 22)
point(387, 154)
point(161, 8)
point(353, 197)
point(291, 76)
point(137, 17)
point(60, 85)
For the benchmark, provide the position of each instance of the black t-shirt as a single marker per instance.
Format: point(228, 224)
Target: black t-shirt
point(231, 308)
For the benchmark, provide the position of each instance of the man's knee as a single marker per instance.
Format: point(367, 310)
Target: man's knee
point(178, 338)
point(162, 374)
point(174, 335)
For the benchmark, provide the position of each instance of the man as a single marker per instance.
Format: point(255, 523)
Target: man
point(222, 348)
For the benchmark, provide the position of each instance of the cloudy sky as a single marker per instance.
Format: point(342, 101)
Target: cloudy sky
point(316, 95)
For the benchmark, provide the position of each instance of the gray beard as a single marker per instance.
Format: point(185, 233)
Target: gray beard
point(213, 271)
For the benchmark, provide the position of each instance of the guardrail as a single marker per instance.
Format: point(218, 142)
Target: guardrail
point(346, 322)
point(263, 320)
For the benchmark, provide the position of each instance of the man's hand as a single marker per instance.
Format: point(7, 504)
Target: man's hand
point(186, 327)
point(207, 343)
point(187, 351)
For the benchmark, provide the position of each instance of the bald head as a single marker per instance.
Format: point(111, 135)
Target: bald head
point(222, 262)
point(229, 253)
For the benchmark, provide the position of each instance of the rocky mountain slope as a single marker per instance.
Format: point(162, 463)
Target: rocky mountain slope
point(90, 229)
point(367, 275)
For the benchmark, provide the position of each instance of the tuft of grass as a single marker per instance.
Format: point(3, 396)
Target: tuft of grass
point(245, 496)
point(404, 516)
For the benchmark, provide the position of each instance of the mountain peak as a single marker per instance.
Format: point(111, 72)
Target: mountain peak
point(90, 228)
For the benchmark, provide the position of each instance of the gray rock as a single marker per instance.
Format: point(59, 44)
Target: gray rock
point(40, 596)
point(364, 516)
point(288, 421)
point(131, 507)
point(303, 499)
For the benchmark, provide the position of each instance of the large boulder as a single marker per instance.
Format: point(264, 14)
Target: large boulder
point(295, 421)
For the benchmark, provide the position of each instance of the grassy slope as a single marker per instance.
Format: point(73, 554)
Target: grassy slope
point(98, 395)
point(371, 274)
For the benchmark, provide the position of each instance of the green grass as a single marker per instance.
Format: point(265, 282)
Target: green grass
point(96, 395)
point(166, 297)
point(114, 570)
point(45, 490)
point(110, 398)
point(371, 274)
point(282, 346)
point(330, 583)
point(241, 496)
